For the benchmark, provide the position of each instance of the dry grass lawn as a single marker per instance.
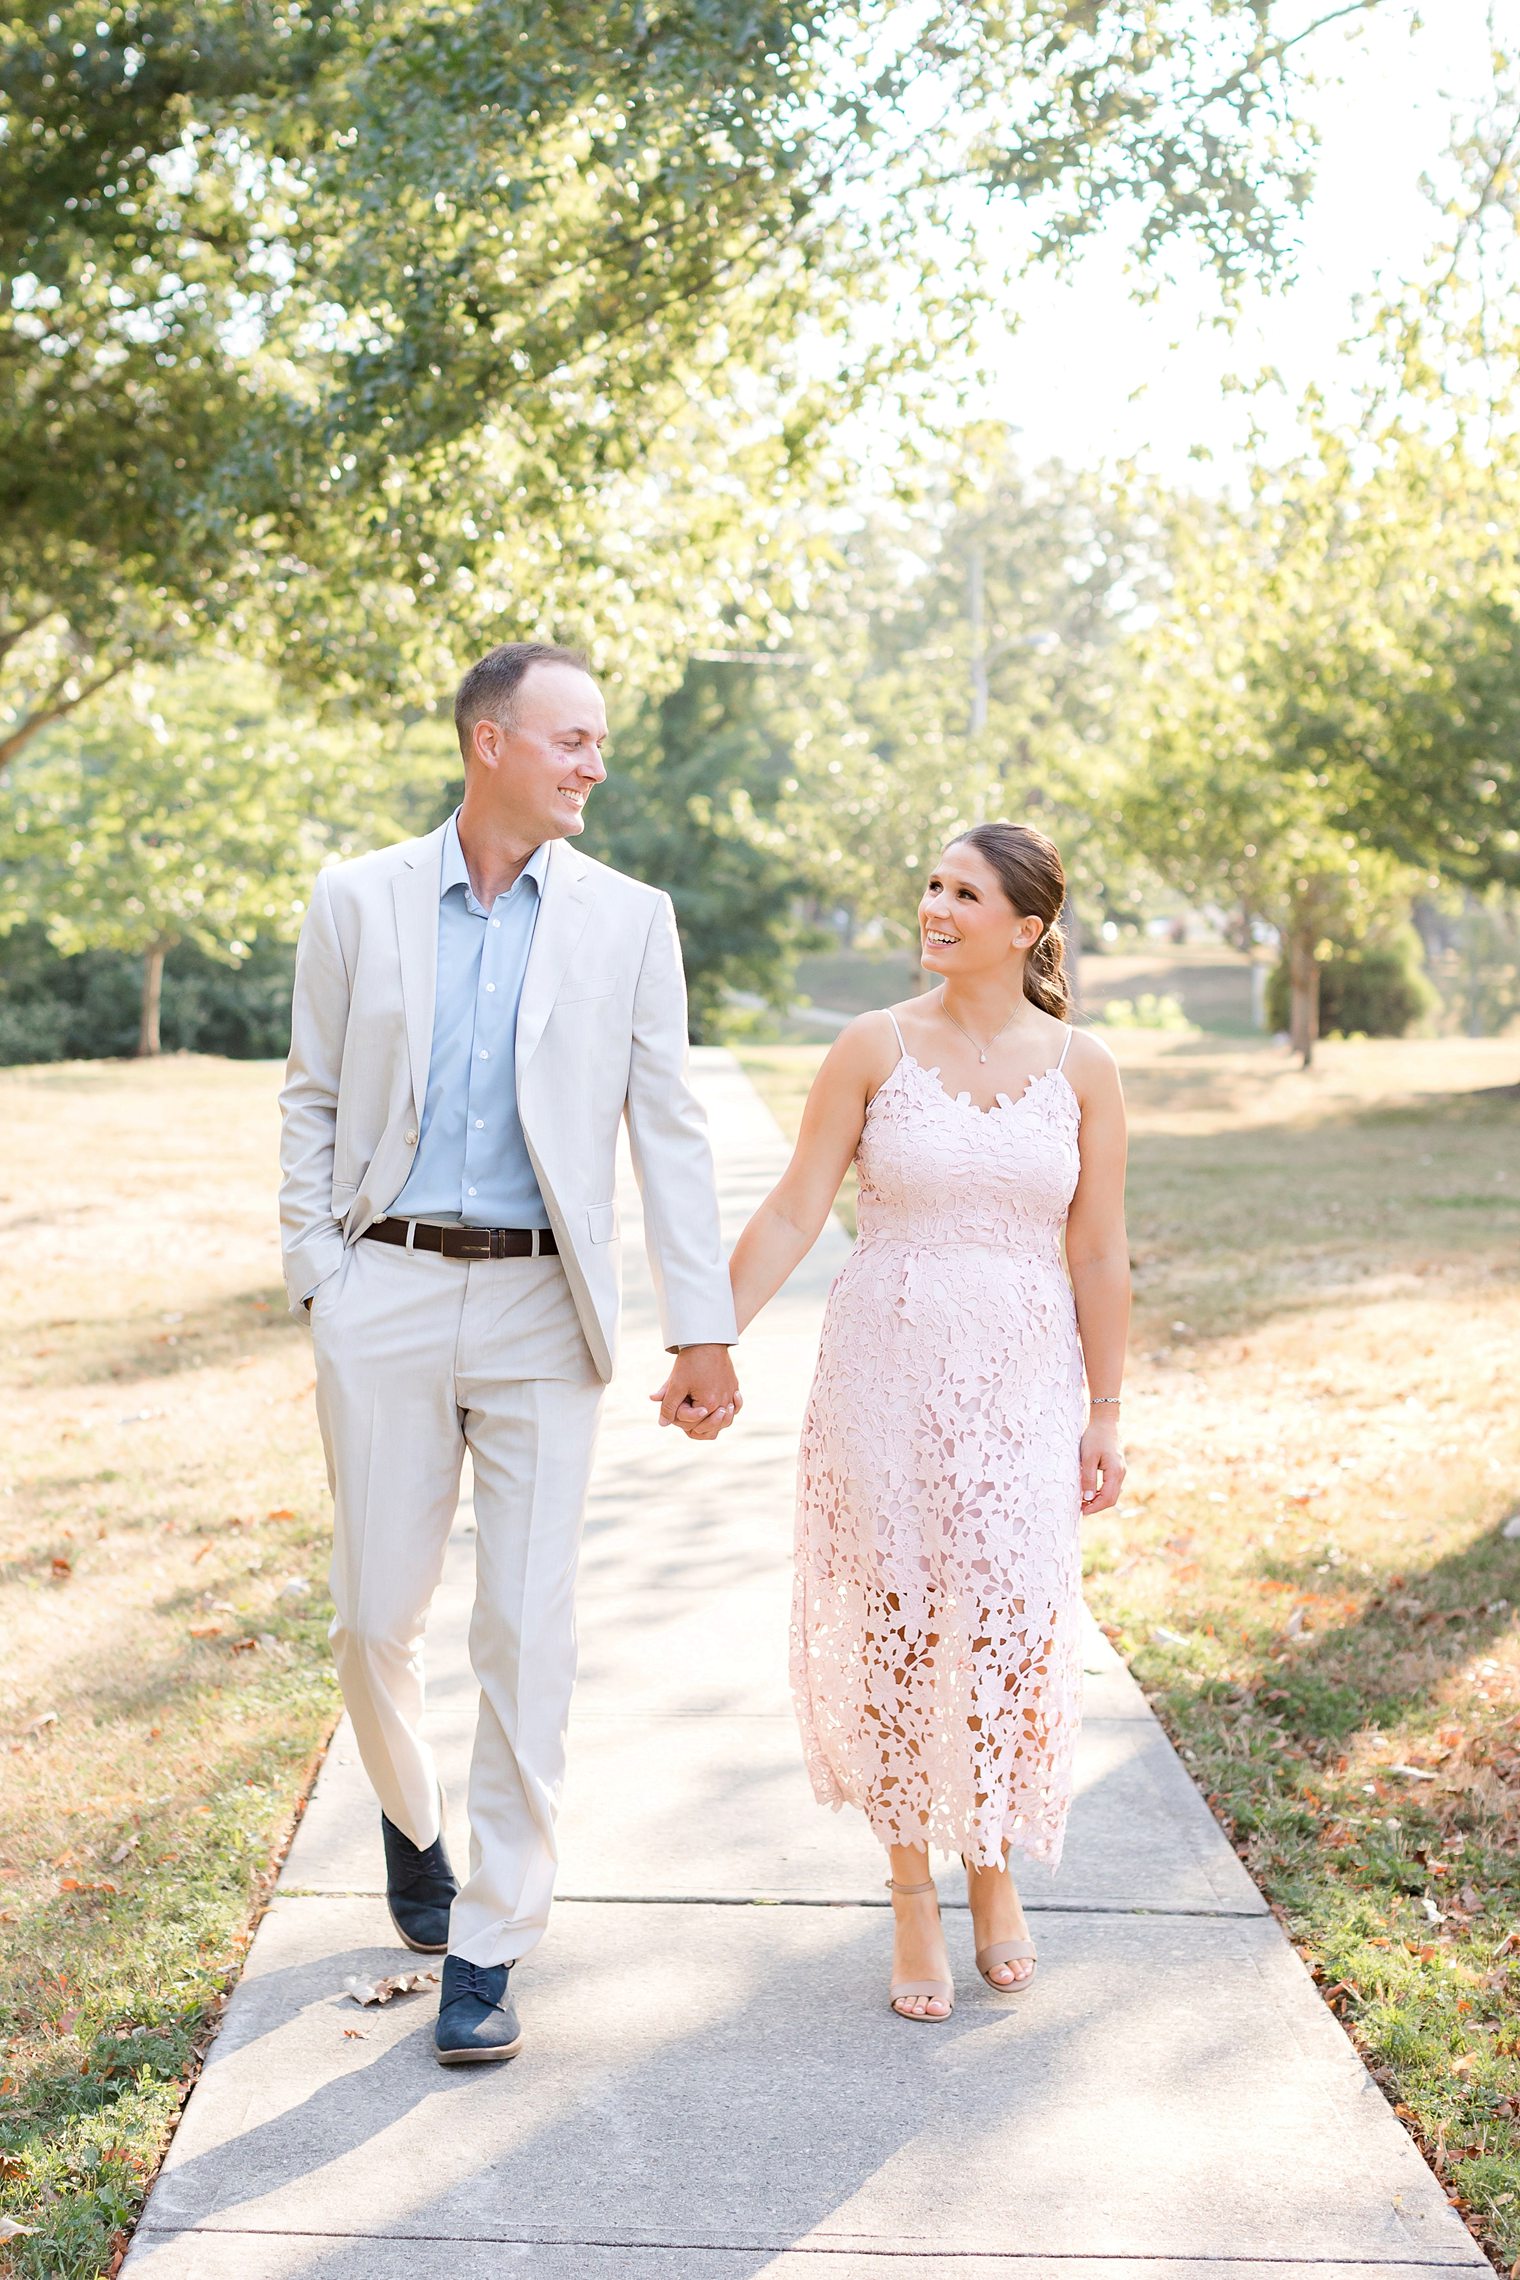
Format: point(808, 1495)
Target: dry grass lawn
point(162, 1548)
point(1309, 1575)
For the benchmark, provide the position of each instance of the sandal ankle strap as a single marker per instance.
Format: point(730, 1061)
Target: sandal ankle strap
point(910, 1889)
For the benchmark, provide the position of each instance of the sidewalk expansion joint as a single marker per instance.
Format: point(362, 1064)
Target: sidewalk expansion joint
point(793, 1900)
point(922, 2251)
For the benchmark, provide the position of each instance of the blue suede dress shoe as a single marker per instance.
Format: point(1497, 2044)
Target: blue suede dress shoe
point(476, 2021)
point(420, 1889)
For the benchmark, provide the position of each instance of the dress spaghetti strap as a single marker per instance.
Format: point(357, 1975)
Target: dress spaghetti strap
point(902, 1050)
point(1066, 1048)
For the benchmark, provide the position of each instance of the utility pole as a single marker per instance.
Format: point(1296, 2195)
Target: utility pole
point(976, 610)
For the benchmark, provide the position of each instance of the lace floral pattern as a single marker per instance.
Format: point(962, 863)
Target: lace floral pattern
point(935, 1613)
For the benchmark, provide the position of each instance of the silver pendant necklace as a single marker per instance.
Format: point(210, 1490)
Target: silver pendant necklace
point(981, 1050)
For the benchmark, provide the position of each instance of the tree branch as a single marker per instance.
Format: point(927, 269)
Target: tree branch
point(54, 707)
point(13, 634)
point(1277, 49)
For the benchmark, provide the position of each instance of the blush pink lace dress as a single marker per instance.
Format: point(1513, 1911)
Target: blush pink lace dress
point(935, 1612)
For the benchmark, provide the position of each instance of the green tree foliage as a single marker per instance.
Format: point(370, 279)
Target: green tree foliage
point(1330, 690)
point(88, 1007)
point(700, 800)
point(186, 809)
point(969, 662)
point(958, 662)
point(364, 330)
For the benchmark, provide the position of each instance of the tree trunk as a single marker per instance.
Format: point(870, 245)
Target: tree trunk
point(1303, 984)
point(149, 1041)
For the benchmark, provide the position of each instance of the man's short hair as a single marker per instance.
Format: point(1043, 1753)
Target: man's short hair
point(489, 688)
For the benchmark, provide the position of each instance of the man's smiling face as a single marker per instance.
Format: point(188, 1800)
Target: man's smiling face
point(546, 757)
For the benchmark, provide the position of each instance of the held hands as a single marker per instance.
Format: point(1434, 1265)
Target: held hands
point(701, 1394)
point(1102, 1467)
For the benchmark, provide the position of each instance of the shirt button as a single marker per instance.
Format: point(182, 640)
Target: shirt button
point(484, 1053)
point(480, 1124)
point(496, 922)
point(490, 985)
point(469, 1191)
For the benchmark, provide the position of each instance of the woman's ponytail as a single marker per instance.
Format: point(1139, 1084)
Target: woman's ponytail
point(1032, 876)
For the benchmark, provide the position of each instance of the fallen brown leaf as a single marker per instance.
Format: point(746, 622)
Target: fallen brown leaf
point(382, 1990)
point(206, 1630)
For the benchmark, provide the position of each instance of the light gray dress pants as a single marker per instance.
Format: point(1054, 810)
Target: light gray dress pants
point(418, 1358)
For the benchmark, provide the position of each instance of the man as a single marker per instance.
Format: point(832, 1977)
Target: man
point(474, 1013)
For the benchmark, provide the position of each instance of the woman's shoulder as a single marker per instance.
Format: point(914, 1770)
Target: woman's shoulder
point(866, 1051)
point(870, 1036)
point(1087, 1060)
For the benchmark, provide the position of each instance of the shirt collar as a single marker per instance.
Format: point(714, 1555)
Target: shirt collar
point(454, 871)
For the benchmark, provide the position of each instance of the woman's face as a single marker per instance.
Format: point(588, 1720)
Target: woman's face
point(966, 923)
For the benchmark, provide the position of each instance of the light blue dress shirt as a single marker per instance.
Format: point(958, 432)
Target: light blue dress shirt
point(472, 1164)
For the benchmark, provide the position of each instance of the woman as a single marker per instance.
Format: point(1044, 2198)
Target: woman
point(949, 1448)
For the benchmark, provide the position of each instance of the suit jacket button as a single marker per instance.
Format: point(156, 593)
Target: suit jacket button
point(411, 1139)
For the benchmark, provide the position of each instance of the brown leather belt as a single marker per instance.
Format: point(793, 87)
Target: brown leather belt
point(465, 1242)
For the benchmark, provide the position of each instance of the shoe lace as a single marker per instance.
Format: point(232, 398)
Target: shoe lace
point(477, 1980)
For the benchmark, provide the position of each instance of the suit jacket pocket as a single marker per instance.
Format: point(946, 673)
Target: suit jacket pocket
point(602, 1221)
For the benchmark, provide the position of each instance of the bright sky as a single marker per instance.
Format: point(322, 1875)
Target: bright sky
point(1090, 377)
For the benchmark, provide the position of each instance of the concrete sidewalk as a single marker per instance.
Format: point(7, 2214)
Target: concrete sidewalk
point(712, 2086)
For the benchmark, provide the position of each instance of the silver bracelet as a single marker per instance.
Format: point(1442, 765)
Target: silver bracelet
point(1098, 1400)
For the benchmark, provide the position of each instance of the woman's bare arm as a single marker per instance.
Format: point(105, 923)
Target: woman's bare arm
point(787, 1225)
point(1097, 1256)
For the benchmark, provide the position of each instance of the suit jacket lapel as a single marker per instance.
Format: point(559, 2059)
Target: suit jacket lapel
point(416, 892)
point(566, 902)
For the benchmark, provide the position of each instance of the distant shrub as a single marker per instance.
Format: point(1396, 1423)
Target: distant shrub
point(86, 1008)
point(1148, 1011)
point(1377, 991)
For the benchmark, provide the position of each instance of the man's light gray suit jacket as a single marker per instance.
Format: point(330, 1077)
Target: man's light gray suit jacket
point(601, 1035)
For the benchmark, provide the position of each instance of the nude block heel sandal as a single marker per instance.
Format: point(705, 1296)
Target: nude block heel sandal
point(1004, 1951)
point(939, 1990)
